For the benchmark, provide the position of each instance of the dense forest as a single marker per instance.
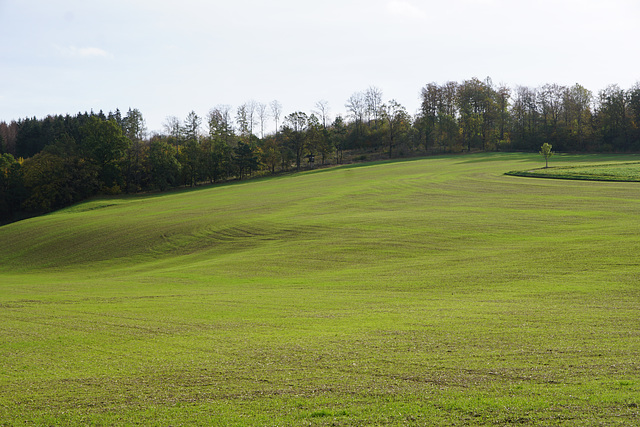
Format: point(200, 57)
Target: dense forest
point(49, 163)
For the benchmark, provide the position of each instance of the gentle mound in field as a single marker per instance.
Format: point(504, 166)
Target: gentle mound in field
point(623, 172)
point(432, 291)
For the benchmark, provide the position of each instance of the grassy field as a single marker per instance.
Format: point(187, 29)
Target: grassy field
point(429, 292)
point(622, 171)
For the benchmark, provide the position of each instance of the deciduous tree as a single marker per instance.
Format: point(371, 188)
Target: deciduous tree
point(263, 115)
point(578, 115)
point(322, 110)
point(173, 129)
point(373, 102)
point(53, 181)
point(297, 124)
point(104, 143)
point(163, 165)
point(613, 117)
point(245, 159)
point(546, 152)
point(276, 112)
point(397, 121)
point(337, 135)
point(270, 152)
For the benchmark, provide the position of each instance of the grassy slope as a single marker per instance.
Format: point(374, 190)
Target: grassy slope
point(427, 291)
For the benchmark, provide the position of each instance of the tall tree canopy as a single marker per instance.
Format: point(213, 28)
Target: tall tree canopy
point(51, 162)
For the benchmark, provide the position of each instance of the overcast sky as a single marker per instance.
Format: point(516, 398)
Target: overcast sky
point(167, 58)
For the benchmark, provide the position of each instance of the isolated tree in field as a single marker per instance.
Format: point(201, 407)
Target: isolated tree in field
point(546, 152)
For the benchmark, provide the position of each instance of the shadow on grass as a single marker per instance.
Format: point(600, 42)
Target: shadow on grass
point(494, 157)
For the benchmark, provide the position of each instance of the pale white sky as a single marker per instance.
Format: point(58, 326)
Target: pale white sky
point(167, 58)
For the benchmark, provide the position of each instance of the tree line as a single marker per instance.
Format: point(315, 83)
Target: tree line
point(49, 163)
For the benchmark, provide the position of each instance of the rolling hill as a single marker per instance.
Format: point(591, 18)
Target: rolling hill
point(426, 291)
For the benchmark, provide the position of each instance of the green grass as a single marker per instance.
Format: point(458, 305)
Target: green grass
point(431, 291)
point(622, 171)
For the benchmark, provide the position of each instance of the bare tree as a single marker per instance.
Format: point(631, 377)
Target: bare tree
point(524, 112)
point(276, 111)
point(172, 128)
point(373, 101)
point(322, 109)
point(357, 107)
point(550, 99)
point(251, 108)
point(263, 115)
